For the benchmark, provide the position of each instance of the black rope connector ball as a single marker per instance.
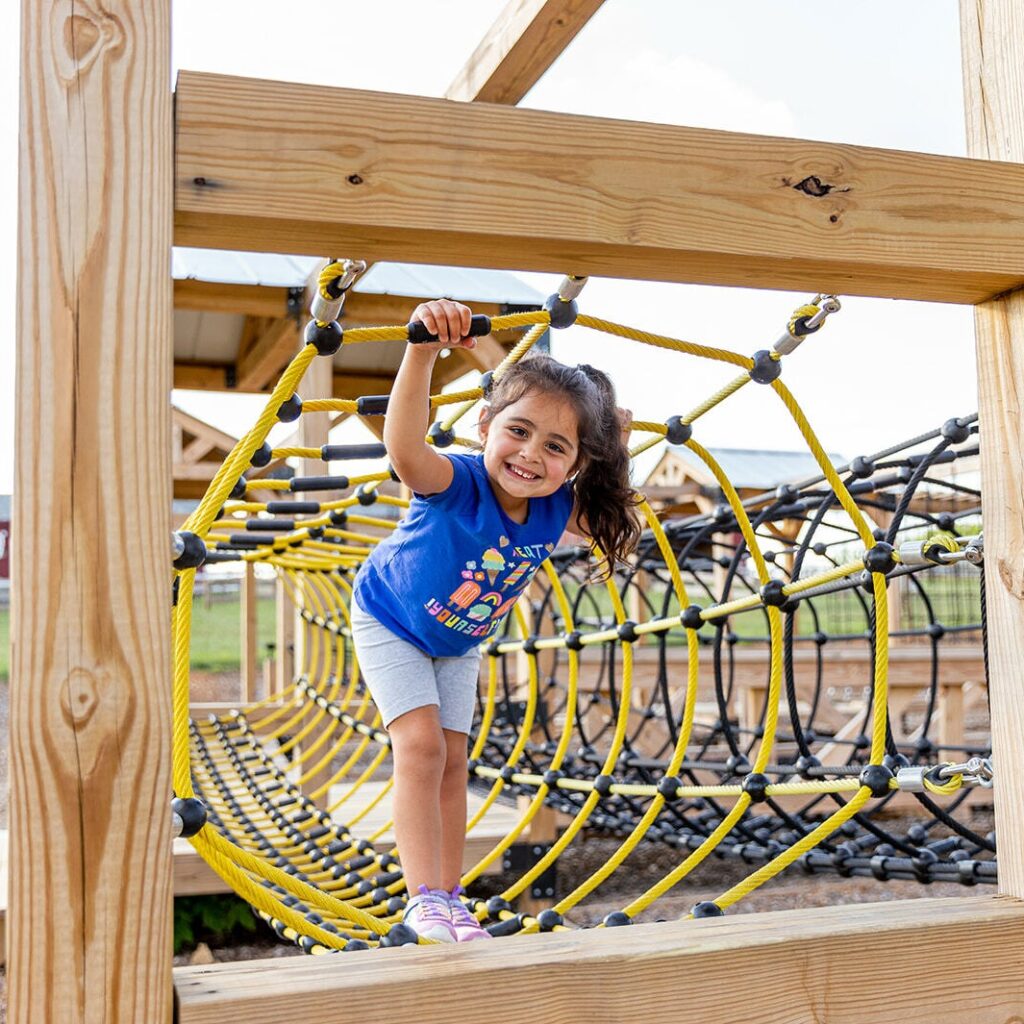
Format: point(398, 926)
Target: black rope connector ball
point(549, 920)
point(765, 368)
point(879, 558)
point(189, 550)
point(507, 772)
point(736, 764)
point(617, 919)
point(755, 785)
point(668, 787)
point(530, 644)
point(366, 495)
point(191, 813)
point(708, 908)
point(551, 777)
point(574, 641)
point(771, 593)
point(486, 382)
point(563, 314)
point(399, 935)
point(262, 455)
point(338, 516)
point(677, 431)
point(442, 438)
point(238, 491)
point(290, 409)
point(877, 778)
point(627, 632)
point(803, 765)
point(603, 784)
point(353, 945)
point(953, 430)
point(327, 337)
point(862, 467)
point(496, 905)
point(690, 617)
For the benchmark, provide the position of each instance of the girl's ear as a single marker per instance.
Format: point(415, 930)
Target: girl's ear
point(484, 423)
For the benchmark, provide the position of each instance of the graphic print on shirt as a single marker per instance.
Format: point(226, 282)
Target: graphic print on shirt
point(486, 589)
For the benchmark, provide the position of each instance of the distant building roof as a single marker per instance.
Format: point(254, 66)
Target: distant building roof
point(757, 468)
point(275, 270)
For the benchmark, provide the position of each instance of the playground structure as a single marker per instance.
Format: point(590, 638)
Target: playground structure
point(98, 700)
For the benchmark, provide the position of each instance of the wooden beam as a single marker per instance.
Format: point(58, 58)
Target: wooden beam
point(268, 356)
point(992, 37)
point(594, 196)
point(89, 927)
point(206, 437)
point(248, 299)
point(602, 976)
point(525, 40)
point(214, 377)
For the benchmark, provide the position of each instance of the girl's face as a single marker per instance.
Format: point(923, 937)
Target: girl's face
point(530, 448)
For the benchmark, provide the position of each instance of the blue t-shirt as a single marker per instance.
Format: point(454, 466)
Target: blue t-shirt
point(455, 565)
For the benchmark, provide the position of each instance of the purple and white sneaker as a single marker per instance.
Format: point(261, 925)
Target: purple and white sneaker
point(428, 915)
point(464, 924)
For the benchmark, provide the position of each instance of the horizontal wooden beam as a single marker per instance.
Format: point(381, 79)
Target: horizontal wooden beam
point(920, 962)
point(428, 180)
point(527, 37)
point(217, 377)
point(214, 297)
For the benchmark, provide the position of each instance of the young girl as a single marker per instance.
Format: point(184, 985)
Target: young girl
point(478, 527)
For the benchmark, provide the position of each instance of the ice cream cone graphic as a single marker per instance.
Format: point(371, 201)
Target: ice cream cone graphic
point(493, 562)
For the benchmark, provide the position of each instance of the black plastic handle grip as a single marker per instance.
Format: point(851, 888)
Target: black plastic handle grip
point(418, 333)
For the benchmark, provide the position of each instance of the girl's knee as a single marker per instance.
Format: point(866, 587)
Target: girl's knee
point(419, 745)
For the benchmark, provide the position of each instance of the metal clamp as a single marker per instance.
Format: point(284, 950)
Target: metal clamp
point(789, 341)
point(571, 287)
point(975, 771)
point(325, 310)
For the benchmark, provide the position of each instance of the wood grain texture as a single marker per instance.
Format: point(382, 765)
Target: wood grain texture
point(269, 355)
point(89, 926)
point(992, 37)
point(428, 180)
point(527, 37)
point(788, 967)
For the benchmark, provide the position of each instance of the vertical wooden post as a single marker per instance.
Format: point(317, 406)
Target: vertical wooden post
point(89, 936)
point(250, 654)
point(284, 640)
point(992, 37)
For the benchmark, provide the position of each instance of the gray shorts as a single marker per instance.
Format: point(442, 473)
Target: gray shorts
point(402, 678)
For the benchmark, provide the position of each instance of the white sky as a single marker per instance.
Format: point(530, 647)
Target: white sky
point(874, 73)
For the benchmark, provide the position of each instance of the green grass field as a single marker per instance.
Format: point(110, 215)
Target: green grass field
point(216, 631)
point(216, 625)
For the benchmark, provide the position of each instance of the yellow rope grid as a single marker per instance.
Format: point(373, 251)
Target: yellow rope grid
point(265, 773)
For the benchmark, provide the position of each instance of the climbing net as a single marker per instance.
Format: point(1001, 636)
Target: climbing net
point(612, 703)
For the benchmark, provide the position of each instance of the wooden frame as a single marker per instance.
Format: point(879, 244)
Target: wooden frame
point(90, 715)
point(544, 191)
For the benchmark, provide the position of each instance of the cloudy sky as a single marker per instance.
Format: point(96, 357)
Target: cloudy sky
point(874, 73)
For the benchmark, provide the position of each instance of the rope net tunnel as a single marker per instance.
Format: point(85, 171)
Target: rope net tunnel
point(766, 681)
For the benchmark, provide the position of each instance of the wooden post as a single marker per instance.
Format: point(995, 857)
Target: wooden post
point(284, 640)
point(89, 936)
point(250, 653)
point(992, 34)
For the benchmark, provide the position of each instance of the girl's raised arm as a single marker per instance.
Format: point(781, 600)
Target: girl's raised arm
point(418, 466)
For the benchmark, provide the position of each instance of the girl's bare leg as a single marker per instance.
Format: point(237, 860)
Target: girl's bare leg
point(453, 808)
point(418, 746)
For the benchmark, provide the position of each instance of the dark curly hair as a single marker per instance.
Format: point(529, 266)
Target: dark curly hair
point(605, 501)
